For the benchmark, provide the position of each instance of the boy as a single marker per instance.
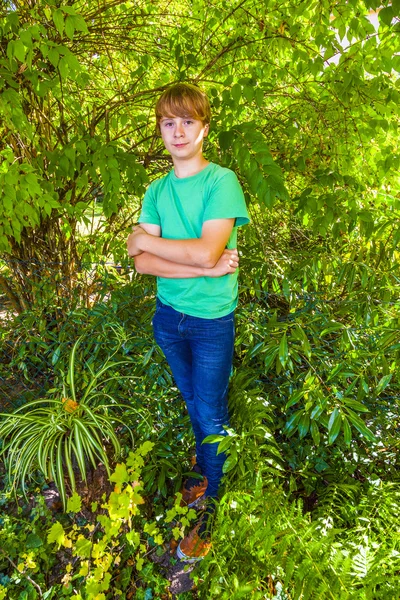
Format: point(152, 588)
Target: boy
point(187, 238)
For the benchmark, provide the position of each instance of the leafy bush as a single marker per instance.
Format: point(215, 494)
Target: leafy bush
point(264, 546)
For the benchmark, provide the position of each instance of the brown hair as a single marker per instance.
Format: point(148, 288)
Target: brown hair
point(183, 100)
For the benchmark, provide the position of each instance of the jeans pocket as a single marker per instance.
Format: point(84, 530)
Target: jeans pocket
point(226, 318)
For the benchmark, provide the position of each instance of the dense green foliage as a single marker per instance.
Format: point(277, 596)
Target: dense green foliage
point(305, 99)
point(310, 88)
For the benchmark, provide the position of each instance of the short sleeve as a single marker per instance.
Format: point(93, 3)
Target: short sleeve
point(226, 200)
point(149, 213)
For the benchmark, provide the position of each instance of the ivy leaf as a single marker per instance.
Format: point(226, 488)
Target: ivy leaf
point(151, 528)
point(74, 504)
point(133, 538)
point(145, 448)
point(56, 534)
point(82, 547)
point(120, 475)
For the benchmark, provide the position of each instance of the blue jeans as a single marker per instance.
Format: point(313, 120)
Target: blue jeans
point(199, 353)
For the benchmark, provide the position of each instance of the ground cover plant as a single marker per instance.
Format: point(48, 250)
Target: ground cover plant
point(305, 100)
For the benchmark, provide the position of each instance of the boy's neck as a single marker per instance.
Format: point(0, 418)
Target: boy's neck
point(188, 168)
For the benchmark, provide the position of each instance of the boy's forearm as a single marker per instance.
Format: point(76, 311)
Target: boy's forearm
point(191, 252)
point(150, 264)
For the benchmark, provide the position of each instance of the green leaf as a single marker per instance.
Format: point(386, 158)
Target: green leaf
point(58, 20)
point(304, 425)
point(360, 425)
point(236, 92)
point(291, 424)
point(145, 448)
point(82, 547)
point(383, 383)
point(259, 94)
point(33, 541)
point(283, 350)
point(74, 503)
point(63, 67)
point(212, 439)
point(56, 534)
point(334, 425)
point(315, 433)
point(230, 462)
point(80, 24)
point(225, 139)
point(19, 50)
point(346, 431)
point(222, 446)
point(69, 10)
point(294, 398)
point(70, 27)
point(386, 15)
point(133, 538)
point(120, 475)
point(366, 216)
point(355, 405)
point(248, 93)
point(54, 56)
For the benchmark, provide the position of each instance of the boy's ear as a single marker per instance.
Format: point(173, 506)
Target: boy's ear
point(206, 129)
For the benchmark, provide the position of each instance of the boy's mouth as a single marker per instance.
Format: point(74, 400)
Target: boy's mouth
point(180, 145)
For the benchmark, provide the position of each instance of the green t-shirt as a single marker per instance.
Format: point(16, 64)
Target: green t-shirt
point(180, 207)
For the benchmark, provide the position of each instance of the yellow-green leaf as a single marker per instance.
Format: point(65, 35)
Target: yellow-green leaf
point(56, 534)
point(74, 504)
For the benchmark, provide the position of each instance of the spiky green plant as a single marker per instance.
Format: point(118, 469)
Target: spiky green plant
point(67, 428)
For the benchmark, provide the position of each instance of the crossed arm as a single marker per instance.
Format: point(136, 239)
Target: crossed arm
point(198, 257)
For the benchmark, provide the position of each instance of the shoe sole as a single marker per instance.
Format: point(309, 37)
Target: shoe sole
point(197, 502)
point(189, 559)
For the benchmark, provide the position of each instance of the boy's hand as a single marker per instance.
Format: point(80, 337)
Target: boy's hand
point(226, 265)
point(133, 239)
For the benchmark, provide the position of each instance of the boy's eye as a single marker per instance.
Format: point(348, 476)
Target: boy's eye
point(188, 122)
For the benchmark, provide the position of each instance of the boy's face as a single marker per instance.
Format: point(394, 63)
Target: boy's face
point(183, 137)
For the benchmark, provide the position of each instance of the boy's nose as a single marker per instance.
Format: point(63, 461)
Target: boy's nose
point(179, 131)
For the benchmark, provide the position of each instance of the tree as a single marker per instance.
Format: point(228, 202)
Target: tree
point(305, 89)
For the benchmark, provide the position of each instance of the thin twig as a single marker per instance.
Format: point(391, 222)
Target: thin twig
point(36, 585)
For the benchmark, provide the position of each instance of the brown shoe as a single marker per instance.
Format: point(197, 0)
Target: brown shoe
point(194, 489)
point(193, 547)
